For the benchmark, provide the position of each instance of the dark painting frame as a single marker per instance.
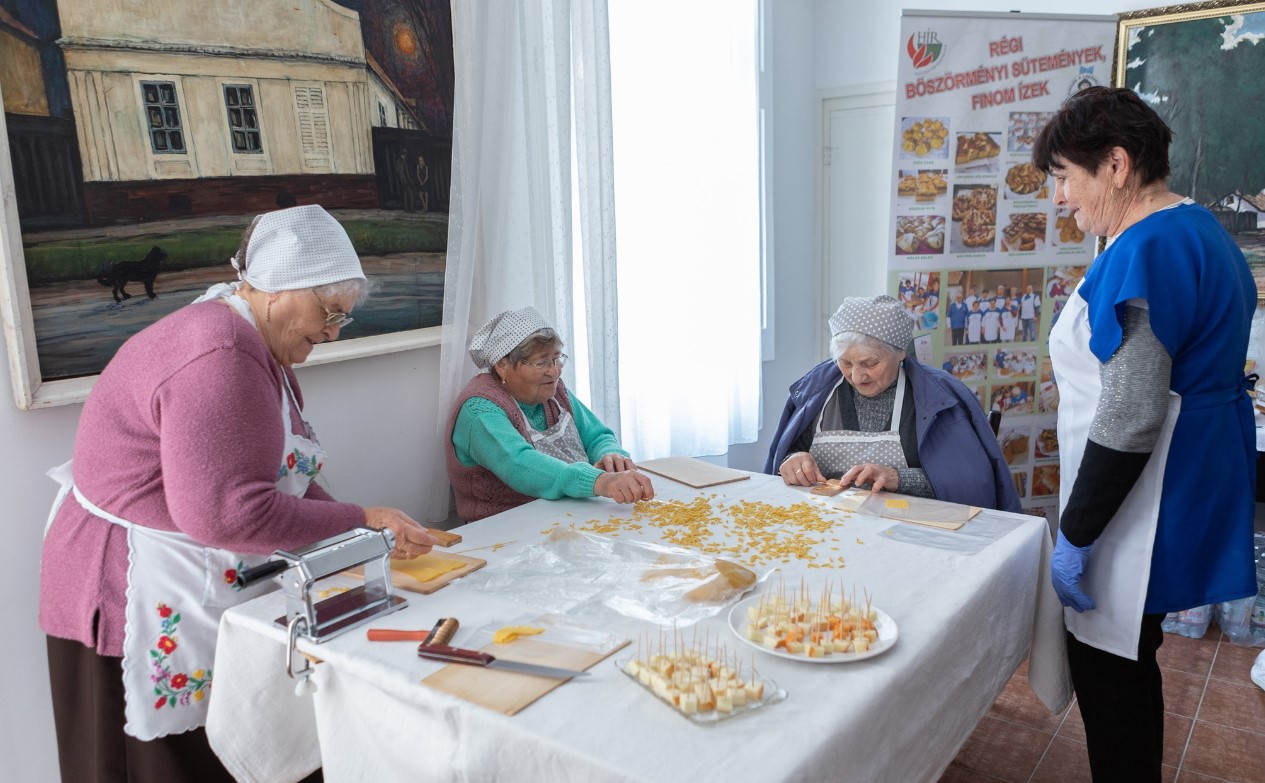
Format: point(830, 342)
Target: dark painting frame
point(1206, 78)
point(350, 107)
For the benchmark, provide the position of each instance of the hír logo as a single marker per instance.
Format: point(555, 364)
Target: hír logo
point(924, 49)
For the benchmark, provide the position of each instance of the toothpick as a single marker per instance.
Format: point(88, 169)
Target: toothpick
point(488, 546)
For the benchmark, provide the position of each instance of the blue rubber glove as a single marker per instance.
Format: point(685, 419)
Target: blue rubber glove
point(1067, 565)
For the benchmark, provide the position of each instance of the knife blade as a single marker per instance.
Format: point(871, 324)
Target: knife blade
point(442, 652)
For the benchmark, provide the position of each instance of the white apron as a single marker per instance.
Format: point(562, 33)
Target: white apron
point(1119, 569)
point(562, 440)
point(837, 451)
point(176, 591)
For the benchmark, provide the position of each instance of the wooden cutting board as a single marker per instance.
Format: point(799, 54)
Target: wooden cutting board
point(692, 472)
point(404, 581)
point(510, 692)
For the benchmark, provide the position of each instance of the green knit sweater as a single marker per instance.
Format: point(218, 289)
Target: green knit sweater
point(483, 435)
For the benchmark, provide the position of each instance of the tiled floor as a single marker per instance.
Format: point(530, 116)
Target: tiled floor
point(1214, 727)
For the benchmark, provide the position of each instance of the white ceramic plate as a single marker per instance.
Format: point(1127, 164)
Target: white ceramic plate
point(772, 695)
point(885, 625)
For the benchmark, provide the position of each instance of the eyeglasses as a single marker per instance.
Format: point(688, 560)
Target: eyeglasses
point(545, 364)
point(331, 318)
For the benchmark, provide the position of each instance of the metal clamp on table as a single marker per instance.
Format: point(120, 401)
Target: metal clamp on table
point(319, 621)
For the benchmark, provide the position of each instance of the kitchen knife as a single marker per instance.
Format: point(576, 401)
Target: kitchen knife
point(442, 652)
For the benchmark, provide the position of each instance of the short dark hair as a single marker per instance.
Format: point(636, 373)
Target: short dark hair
point(1093, 121)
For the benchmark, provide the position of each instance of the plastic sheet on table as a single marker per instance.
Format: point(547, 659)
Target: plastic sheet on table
point(972, 537)
point(556, 629)
point(577, 573)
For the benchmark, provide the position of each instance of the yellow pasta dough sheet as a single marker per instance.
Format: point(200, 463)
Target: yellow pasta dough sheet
point(428, 567)
point(430, 572)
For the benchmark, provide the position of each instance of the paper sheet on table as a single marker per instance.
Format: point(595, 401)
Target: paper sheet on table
point(583, 574)
point(972, 538)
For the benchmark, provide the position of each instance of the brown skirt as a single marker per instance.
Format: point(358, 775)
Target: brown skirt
point(91, 746)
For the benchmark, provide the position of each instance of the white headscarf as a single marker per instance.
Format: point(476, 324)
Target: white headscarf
point(295, 248)
point(496, 338)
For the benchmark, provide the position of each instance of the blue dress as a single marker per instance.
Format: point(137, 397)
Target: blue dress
point(1201, 299)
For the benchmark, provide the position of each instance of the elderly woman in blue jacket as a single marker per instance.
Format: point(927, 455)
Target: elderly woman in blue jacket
point(876, 418)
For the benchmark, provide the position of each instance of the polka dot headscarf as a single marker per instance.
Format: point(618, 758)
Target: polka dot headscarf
point(299, 247)
point(880, 317)
point(496, 338)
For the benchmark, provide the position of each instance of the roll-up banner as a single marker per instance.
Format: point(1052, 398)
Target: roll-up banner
point(980, 257)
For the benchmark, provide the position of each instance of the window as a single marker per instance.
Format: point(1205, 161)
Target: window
point(687, 208)
point(243, 120)
point(404, 117)
point(313, 116)
point(162, 110)
point(382, 115)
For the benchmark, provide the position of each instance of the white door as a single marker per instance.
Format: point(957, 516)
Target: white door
point(856, 182)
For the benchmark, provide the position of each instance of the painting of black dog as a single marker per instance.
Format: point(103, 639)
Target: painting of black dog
point(123, 272)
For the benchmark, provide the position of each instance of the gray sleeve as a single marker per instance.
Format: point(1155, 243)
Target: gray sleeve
point(1135, 383)
point(913, 481)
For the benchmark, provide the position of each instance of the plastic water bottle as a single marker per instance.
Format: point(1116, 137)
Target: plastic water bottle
point(1189, 622)
point(1258, 608)
point(1235, 619)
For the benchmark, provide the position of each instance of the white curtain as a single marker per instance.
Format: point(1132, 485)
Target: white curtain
point(521, 70)
point(684, 82)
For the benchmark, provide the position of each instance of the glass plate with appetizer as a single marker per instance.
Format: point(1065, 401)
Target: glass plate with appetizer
point(704, 686)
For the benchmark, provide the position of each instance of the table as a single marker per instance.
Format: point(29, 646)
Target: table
point(966, 622)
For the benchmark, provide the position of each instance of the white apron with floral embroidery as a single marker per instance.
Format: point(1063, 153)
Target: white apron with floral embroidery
point(176, 591)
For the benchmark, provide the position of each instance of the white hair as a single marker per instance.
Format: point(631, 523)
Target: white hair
point(361, 288)
point(842, 342)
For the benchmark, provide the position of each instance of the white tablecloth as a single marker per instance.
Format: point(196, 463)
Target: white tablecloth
point(966, 621)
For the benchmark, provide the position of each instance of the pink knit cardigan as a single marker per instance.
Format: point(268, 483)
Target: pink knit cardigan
point(182, 432)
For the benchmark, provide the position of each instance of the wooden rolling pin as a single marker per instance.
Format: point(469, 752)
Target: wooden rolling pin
point(442, 633)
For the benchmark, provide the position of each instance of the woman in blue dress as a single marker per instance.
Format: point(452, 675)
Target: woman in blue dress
point(1156, 441)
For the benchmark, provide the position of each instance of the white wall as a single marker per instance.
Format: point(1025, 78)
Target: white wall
point(30, 443)
point(371, 414)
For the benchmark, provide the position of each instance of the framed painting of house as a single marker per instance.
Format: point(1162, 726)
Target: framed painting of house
point(140, 138)
point(1202, 67)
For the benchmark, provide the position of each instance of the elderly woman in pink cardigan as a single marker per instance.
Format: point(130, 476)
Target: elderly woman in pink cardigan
point(192, 461)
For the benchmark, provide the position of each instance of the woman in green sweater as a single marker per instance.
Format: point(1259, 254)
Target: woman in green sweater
point(517, 434)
